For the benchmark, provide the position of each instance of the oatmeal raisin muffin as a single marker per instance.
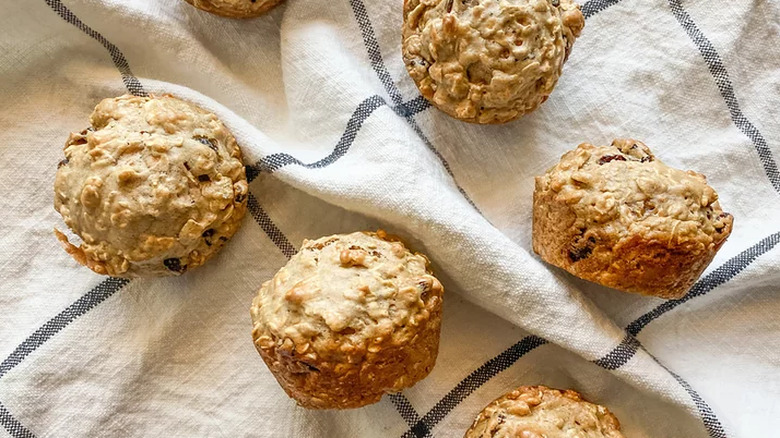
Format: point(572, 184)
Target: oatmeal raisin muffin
point(538, 411)
point(235, 8)
point(349, 318)
point(617, 216)
point(488, 61)
point(154, 187)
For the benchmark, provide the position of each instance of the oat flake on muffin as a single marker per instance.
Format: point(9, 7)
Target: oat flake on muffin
point(154, 187)
point(235, 8)
point(488, 61)
point(618, 216)
point(541, 412)
point(349, 318)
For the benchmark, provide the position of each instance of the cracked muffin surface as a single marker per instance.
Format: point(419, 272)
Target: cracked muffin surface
point(618, 216)
point(488, 61)
point(538, 411)
point(349, 318)
point(235, 8)
point(154, 187)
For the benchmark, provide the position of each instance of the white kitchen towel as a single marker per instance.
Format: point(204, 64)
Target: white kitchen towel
point(336, 139)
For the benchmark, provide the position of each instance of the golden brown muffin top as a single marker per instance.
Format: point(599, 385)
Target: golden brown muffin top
point(151, 187)
point(343, 295)
point(541, 412)
point(488, 61)
point(622, 190)
point(235, 8)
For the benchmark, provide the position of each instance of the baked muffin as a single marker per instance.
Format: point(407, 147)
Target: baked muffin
point(154, 187)
point(235, 8)
point(538, 411)
point(349, 318)
point(485, 61)
point(617, 216)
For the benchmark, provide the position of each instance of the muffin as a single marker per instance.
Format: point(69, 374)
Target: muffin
point(617, 216)
point(154, 187)
point(349, 318)
point(538, 411)
point(484, 61)
point(235, 8)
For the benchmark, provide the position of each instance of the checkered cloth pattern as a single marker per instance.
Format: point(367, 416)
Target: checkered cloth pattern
point(336, 139)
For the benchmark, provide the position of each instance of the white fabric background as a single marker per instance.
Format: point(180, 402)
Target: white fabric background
point(698, 82)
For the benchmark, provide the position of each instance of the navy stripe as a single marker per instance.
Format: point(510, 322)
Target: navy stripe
point(132, 83)
point(273, 232)
point(721, 76)
point(593, 7)
point(443, 161)
point(97, 295)
point(274, 162)
point(12, 425)
point(87, 302)
point(710, 421)
point(374, 54)
point(415, 106)
point(107, 287)
point(400, 108)
point(620, 355)
point(472, 383)
point(405, 408)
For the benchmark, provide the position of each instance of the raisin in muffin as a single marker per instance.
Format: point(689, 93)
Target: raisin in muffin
point(349, 318)
point(235, 8)
point(485, 61)
point(617, 216)
point(538, 411)
point(154, 187)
